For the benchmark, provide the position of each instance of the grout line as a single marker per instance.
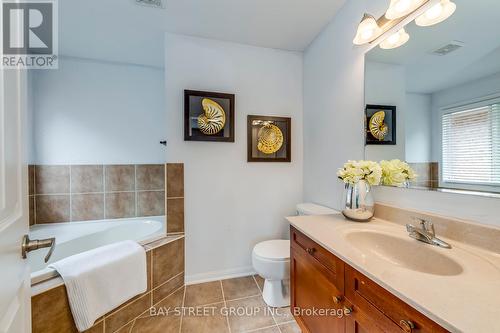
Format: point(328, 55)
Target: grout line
point(182, 306)
point(262, 328)
point(135, 189)
point(242, 298)
point(225, 306)
point(104, 190)
point(257, 283)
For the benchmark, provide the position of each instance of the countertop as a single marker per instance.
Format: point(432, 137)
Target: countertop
point(465, 299)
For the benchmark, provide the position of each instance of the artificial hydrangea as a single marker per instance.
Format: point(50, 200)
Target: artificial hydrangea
point(396, 173)
point(354, 171)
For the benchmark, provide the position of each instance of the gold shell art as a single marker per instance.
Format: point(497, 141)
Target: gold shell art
point(377, 126)
point(213, 119)
point(270, 139)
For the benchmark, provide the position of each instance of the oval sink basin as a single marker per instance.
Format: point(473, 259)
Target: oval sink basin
point(410, 254)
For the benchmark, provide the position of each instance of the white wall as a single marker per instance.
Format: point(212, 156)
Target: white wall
point(385, 84)
point(418, 128)
point(230, 204)
point(96, 112)
point(333, 123)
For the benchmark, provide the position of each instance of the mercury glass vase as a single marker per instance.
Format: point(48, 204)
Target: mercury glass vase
point(358, 202)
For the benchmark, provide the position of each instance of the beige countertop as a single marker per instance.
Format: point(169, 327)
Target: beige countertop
point(459, 288)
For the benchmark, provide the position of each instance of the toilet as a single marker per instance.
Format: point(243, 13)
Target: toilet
point(271, 260)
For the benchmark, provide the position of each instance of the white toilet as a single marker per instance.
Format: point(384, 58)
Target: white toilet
point(271, 260)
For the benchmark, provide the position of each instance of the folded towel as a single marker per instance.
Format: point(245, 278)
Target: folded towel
point(101, 279)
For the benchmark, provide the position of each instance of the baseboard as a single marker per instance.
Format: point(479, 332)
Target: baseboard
point(219, 275)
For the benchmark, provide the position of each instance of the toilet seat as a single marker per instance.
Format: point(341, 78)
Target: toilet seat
point(273, 250)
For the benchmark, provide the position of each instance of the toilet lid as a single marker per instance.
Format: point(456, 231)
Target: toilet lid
point(276, 249)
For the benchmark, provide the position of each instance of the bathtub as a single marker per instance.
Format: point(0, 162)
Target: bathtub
point(76, 237)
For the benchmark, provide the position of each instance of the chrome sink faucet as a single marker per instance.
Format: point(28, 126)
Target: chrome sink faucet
point(425, 233)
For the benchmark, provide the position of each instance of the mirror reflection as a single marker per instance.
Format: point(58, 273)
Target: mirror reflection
point(434, 102)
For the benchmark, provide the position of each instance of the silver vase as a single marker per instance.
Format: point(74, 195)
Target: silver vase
point(358, 202)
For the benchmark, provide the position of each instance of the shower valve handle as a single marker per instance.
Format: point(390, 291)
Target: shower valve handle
point(35, 244)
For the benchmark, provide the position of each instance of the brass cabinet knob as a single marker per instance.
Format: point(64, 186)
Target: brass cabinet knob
point(407, 325)
point(347, 310)
point(310, 250)
point(337, 299)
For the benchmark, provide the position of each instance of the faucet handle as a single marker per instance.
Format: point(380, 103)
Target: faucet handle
point(427, 226)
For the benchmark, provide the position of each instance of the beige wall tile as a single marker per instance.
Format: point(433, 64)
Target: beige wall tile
point(50, 312)
point(86, 207)
point(31, 179)
point(175, 180)
point(31, 201)
point(168, 261)
point(50, 179)
point(119, 178)
point(120, 204)
point(175, 215)
point(167, 288)
point(127, 313)
point(150, 177)
point(52, 208)
point(87, 178)
point(150, 203)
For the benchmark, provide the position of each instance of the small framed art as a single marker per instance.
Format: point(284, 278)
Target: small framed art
point(269, 139)
point(380, 125)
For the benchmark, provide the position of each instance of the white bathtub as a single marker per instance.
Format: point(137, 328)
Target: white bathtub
point(76, 237)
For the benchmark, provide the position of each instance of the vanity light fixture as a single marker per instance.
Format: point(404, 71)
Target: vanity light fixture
point(395, 40)
point(368, 30)
point(436, 14)
point(400, 8)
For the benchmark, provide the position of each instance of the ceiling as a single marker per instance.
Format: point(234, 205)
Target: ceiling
point(475, 23)
point(124, 31)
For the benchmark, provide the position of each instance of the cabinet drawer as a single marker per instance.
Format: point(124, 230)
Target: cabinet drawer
point(303, 242)
point(367, 295)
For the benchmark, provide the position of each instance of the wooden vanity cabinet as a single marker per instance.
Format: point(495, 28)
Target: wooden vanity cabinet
point(320, 280)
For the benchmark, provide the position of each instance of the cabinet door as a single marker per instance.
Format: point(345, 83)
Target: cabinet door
point(367, 320)
point(315, 299)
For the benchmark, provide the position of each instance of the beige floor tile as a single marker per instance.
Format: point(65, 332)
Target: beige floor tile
point(282, 315)
point(205, 319)
point(273, 329)
point(239, 288)
point(164, 321)
point(203, 294)
point(260, 281)
point(249, 314)
point(292, 327)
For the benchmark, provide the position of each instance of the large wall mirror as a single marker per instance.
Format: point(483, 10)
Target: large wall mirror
point(443, 92)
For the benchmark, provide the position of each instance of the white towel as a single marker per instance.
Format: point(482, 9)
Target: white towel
point(101, 279)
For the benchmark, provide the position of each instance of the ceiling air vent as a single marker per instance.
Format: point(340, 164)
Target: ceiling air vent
point(448, 48)
point(150, 3)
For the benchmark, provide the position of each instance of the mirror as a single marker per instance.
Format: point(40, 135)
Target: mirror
point(440, 97)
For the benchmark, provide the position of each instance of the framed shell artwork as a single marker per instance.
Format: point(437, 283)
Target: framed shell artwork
point(380, 125)
point(269, 139)
point(208, 116)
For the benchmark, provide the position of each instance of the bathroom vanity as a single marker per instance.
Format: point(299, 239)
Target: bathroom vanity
point(373, 278)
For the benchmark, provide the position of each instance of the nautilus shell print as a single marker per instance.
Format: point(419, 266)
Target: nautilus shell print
point(270, 139)
point(213, 119)
point(377, 126)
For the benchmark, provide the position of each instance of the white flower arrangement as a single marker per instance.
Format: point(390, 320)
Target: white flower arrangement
point(354, 171)
point(396, 173)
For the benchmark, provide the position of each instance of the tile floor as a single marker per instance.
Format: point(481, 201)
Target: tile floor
point(231, 306)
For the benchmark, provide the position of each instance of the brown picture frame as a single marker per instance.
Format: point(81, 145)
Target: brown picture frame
point(286, 149)
point(190, 135)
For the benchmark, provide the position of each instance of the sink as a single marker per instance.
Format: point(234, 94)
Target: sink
point(406, 253)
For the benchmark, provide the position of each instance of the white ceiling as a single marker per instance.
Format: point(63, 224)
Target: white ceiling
point(475, 23)
point(121, 30)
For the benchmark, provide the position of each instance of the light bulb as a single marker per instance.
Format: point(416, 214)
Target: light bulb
point(395, 40)
point(436, 14)
point(368, 30)
point(400, 8)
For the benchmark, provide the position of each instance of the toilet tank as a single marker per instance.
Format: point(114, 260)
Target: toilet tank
point(313, 209)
